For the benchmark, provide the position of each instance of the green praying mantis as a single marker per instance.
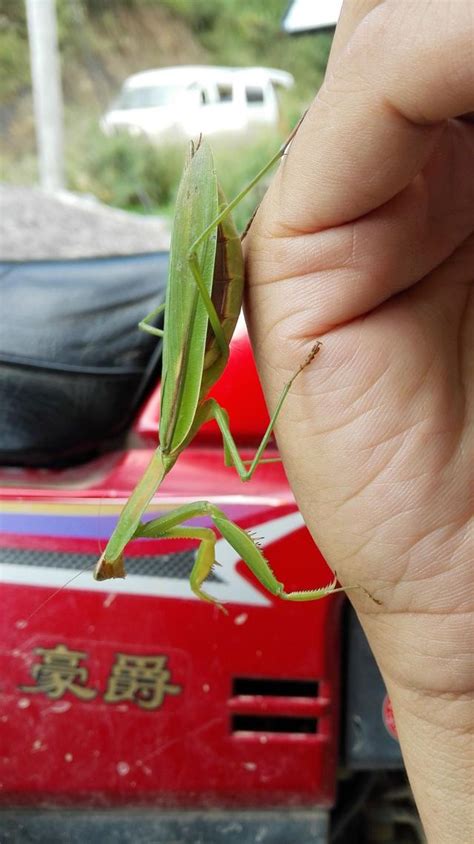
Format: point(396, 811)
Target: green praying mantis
point(203, 302)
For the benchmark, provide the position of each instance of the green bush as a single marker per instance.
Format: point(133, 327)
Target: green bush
point(125, 171)
point(134, 174)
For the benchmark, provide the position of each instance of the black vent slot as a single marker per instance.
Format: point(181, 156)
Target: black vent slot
point(271, 687)
point(273, 724)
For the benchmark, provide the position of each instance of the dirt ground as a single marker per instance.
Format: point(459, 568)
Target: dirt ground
point(36, 225)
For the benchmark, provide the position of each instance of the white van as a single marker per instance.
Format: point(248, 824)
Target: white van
point(186, 100)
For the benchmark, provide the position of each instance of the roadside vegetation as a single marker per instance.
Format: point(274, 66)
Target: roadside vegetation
point(104, 41)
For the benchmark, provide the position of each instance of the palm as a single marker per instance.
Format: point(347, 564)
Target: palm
point(375, 435)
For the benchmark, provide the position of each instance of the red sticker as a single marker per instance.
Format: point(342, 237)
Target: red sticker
point(389, 718)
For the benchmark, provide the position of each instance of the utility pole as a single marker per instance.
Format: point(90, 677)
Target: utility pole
point(47, 92)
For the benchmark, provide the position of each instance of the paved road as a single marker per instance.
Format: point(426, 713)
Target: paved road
point(36, 225)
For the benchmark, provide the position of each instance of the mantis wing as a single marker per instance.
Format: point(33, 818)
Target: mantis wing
point(186, 318)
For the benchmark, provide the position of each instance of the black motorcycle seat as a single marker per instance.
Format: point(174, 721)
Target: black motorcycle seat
point(74, 368)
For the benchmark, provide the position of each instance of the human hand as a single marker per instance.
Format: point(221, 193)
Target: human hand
point(365, 240)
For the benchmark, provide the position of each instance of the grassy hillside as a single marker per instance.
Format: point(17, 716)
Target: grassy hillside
point(104, 41)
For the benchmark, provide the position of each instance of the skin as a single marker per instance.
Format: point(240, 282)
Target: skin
point(365, 240)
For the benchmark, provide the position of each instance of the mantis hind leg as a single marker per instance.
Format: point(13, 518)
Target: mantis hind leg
point(166, 527)
point(210, 409)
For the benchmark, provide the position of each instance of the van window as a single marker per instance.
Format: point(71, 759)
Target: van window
point(149, 96)
point(254, 95)
point(224, 93)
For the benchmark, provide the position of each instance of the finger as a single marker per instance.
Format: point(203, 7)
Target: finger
point(378, 115)
point(352, 13)
point(333, 276)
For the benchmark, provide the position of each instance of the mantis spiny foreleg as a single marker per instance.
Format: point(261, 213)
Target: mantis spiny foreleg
point(167, 527)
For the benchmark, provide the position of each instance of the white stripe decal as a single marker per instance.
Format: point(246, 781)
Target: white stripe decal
point(233, 588)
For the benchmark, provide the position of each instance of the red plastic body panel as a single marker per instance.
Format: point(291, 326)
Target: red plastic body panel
point(134, 691)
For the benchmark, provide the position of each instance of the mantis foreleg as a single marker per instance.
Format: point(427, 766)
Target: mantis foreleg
point(145, 322)
point(205, 558)
point(166, 527)
point(111, 562)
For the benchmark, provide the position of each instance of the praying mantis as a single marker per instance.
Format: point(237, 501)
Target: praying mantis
point(203, 302)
